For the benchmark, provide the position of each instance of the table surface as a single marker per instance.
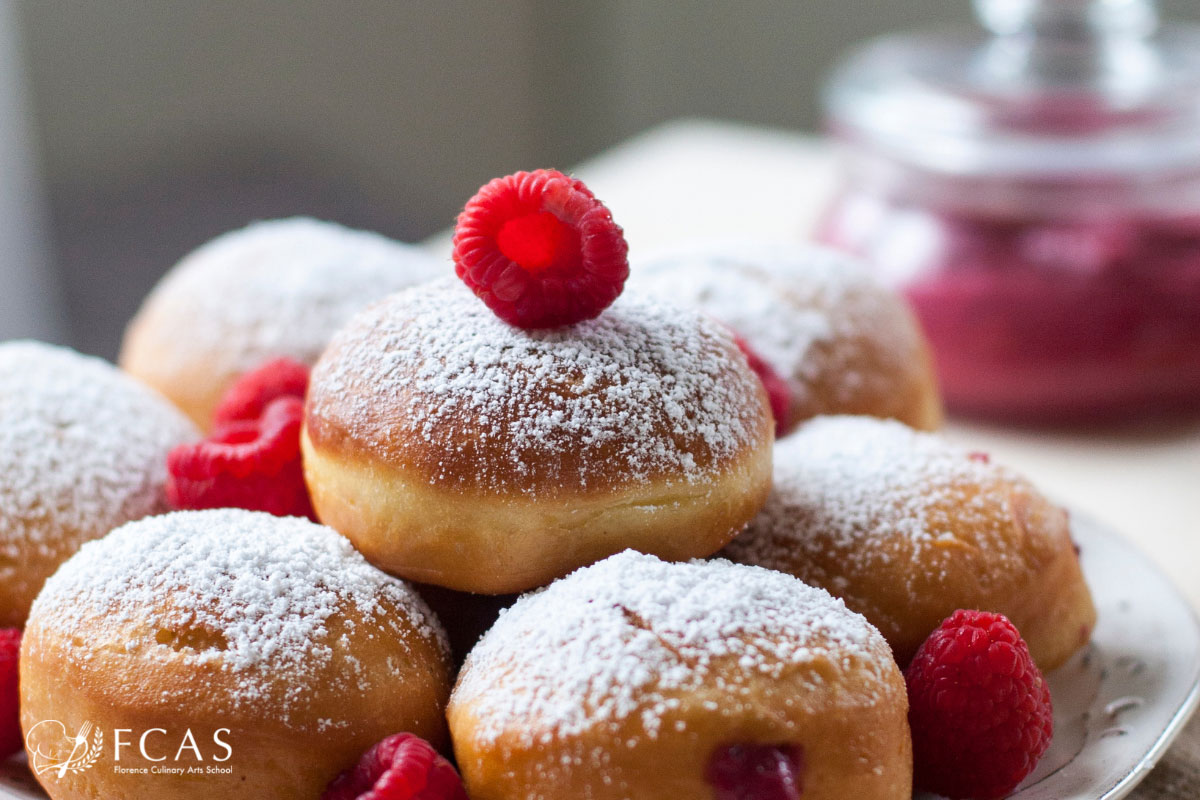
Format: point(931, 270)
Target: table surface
point(696, 179)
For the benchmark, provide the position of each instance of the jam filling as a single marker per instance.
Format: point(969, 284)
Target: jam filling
point(756, 772)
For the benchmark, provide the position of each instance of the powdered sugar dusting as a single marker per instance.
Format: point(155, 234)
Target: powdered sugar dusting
point(280, 288)
point(247, 591)
point(852, 482)
point(803, 308)
point(646, 389)
point(83, 448)
point(610, 642)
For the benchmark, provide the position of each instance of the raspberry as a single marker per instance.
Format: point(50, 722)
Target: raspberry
point(10, 723)
point(778, 392)
point(979, 708)
point(401, 767)
point(756, 772)
point(248, 397)
point(540, 250)
point(253, 465)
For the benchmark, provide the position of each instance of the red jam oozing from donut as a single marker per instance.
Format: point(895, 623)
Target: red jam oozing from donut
point(756, 772)
point(779, 394)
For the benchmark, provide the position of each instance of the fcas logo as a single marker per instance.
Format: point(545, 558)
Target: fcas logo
point(59, 752)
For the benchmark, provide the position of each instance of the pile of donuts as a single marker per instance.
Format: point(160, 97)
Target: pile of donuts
point(709, 473)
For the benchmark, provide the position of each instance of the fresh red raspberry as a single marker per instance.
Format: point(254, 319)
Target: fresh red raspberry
point(401, 767)
point(540, 250)
point(11, 740)
point(254, 465)
point(756, 772)
point(979, 708)
point(247, 399)
point(778, 392)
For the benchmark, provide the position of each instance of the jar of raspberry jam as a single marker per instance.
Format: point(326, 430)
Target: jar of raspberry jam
point(1034, 190)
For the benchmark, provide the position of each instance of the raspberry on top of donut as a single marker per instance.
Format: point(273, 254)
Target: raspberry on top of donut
point(622, 639)
point(258, 604)
point(431, 380)
point(540, 250)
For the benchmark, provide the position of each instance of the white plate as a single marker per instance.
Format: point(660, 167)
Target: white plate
point(1118, 704)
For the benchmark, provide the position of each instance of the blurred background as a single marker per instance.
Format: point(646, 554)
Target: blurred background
point(131, 132)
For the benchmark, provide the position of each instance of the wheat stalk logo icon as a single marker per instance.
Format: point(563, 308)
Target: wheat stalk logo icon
point(82, 755)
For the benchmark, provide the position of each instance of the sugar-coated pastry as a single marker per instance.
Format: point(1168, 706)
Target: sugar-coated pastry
point(907, 528)
point(262, 651)
point(83, 449)
point(275, 288)
point(844, 343)
point(455, 449)
point(636, 679)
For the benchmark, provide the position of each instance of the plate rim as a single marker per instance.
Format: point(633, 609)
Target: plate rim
point(1191, 702)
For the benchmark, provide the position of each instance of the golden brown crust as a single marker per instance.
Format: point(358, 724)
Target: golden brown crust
point(963, 535)
point(1031, 575)
point(271, 757)
point(843, 342)
point(904, 389)
point(479, 542)
point(453, 449)
point(429, 382)
point(194, 385)
point(21, 578)
point(83, 449)
point(853, 747)
point(621, 682)
point(270, 630)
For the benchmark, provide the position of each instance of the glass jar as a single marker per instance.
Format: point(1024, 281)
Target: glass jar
point(1035, 193)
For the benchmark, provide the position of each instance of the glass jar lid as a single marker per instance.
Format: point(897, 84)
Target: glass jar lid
point(1043, 88)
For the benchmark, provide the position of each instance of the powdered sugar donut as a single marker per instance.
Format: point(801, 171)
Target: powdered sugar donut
point(907, 529)
point(83, 449)
point(263, 651)
point(638, 679)
point(844, 343)
point(275, 288)
point(454, 449)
